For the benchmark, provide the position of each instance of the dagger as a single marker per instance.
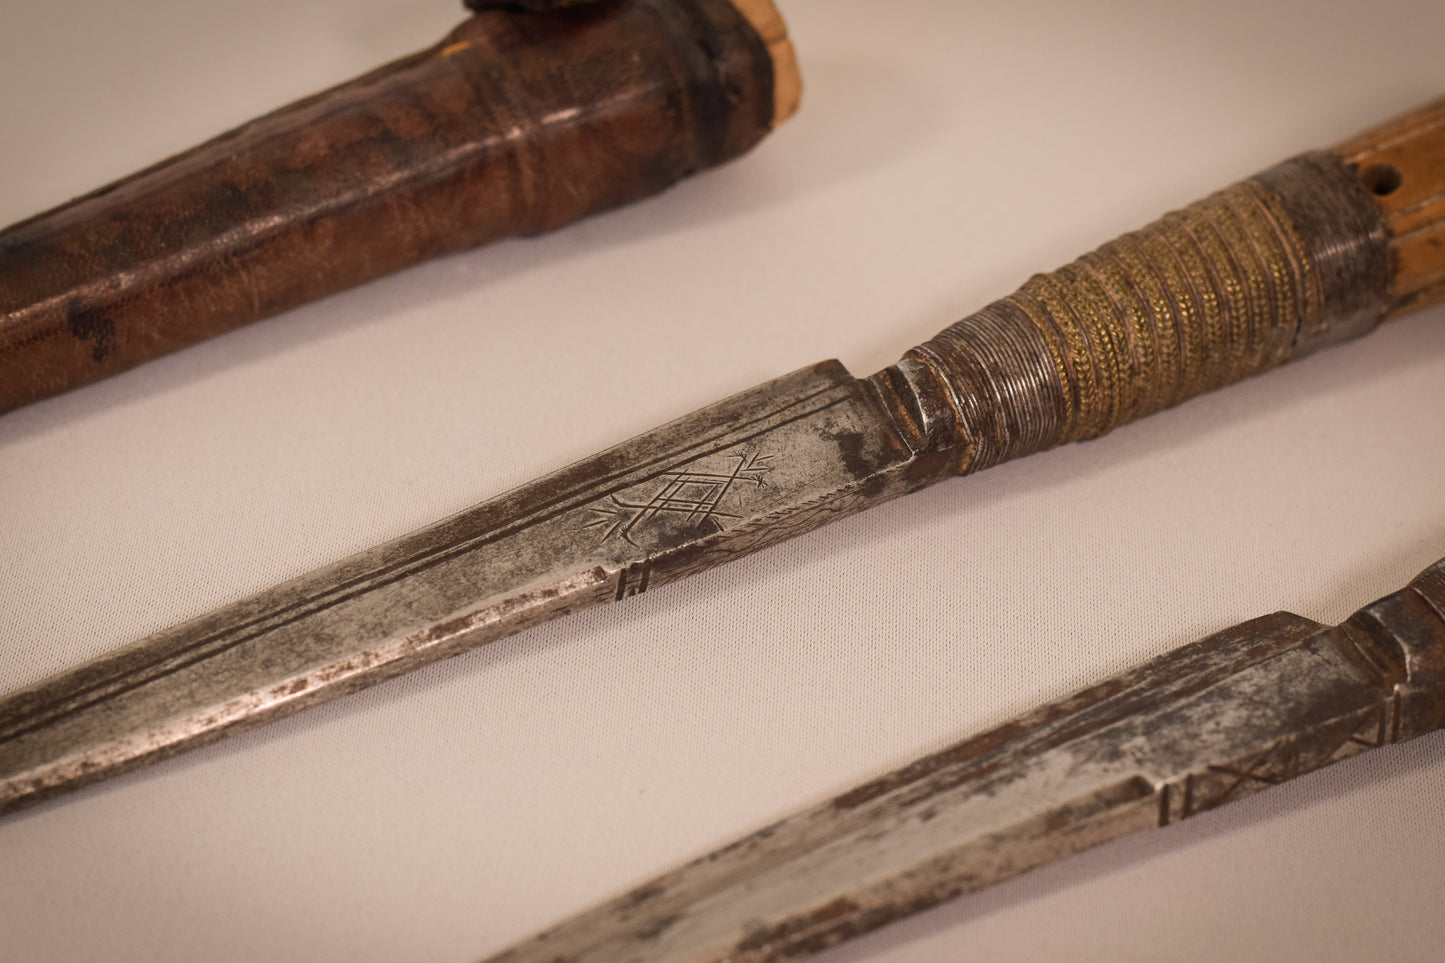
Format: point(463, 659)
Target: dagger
point(1313, 251)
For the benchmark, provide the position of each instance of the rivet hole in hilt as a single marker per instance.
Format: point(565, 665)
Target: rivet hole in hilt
point(1402, 164)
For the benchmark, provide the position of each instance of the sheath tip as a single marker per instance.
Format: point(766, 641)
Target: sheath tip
point(787, 82)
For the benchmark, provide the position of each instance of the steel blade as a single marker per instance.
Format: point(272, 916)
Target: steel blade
point(731, 478)
point(1240, 711)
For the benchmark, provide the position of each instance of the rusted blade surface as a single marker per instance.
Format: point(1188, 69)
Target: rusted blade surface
point(1237, 712)
point(750, 471)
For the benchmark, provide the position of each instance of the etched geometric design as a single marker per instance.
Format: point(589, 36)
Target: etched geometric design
point(1280, 761)
point(1373, 728)
point(695, 494)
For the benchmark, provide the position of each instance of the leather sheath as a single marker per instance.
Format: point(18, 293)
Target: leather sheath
point(516, 123)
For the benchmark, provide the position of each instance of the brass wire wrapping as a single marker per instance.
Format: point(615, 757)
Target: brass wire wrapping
point(1223, 289)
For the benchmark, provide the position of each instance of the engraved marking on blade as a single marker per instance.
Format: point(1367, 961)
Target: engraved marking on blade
point(695, 494)
point(639, 573)
point(1283, 760)
point(1375, 727)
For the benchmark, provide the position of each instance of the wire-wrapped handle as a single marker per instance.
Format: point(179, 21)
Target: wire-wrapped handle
point(1244, 280)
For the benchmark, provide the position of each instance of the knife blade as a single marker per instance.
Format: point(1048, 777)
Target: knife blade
point(1245, 709)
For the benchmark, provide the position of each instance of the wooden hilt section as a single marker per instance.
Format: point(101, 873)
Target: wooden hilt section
point(518, 122)
point(1402, 163)
point(1310, 252)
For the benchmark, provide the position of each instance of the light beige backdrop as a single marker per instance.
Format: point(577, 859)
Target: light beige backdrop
point(943, 152)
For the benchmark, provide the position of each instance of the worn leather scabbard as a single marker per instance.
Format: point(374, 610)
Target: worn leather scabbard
point(517, 122)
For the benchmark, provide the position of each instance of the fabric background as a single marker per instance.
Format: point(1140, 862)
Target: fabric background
point(944, 151)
